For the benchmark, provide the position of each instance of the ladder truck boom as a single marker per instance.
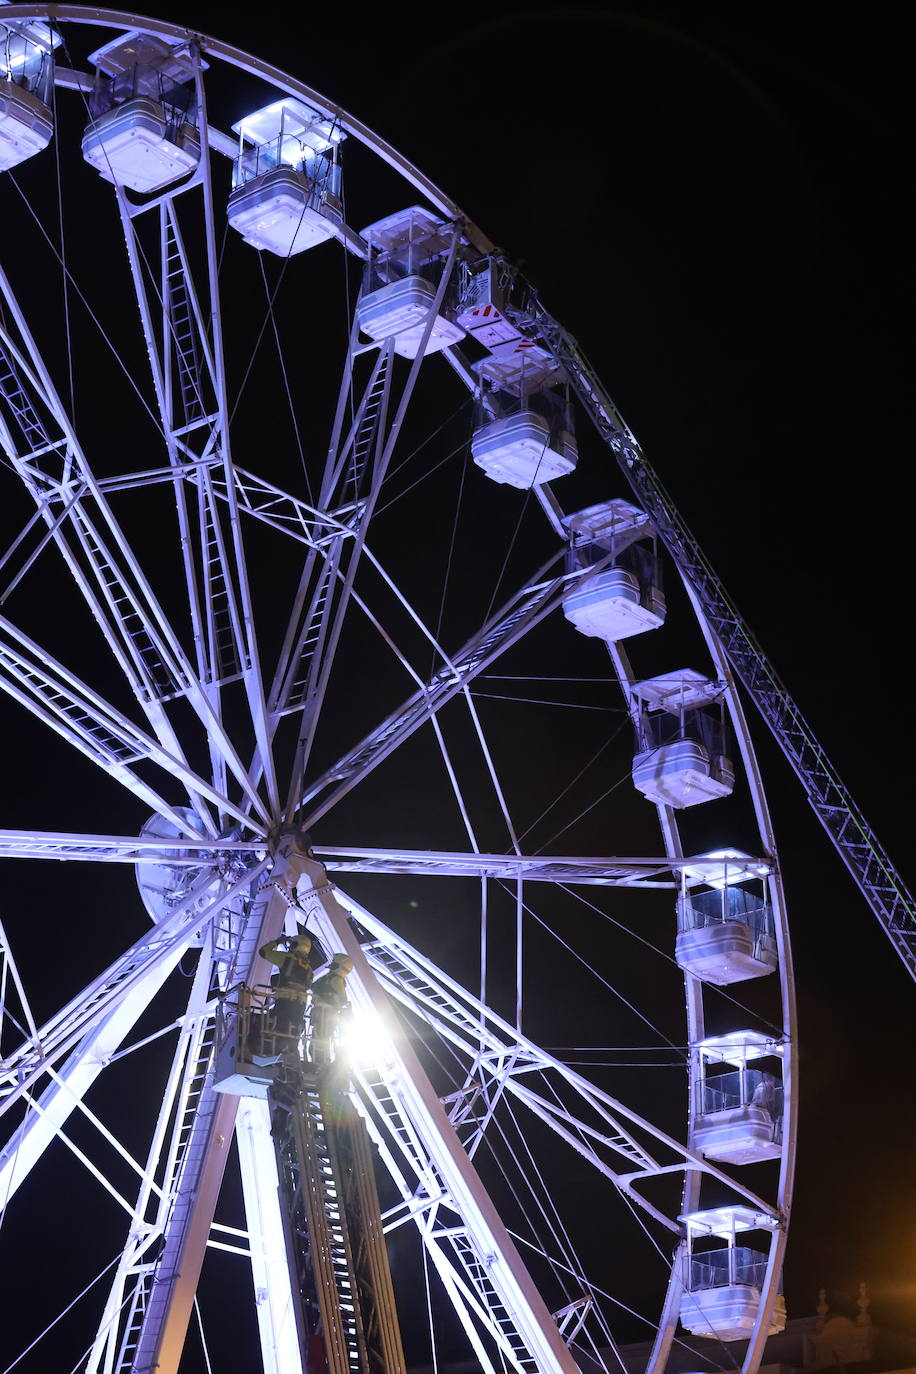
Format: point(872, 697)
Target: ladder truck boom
point(858, 845)
point(343, 1299)
point(335, 1246)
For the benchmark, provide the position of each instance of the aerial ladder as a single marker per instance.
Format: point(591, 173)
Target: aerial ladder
point(504, 313)
point(344, 1306)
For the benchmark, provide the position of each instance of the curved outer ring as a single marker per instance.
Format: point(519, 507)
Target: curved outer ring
point(116, 19)
point(235, 57)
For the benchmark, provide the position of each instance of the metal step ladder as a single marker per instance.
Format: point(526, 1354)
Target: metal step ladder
point(182, 329)
point(312, 633)
point(20, 406)
point(225, 657)
point(63, 703)
point(367, 425)
point(479, 1275)
point(136, 1315)
point(128, 611)
point(453, 1239)
point(190, 1140)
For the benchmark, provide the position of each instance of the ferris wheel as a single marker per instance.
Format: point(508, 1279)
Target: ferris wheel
point(335, 614)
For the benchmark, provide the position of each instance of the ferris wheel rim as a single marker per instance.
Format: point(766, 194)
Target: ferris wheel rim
point(103, 18)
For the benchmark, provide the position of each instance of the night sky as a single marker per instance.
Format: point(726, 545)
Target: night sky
point(712, 199)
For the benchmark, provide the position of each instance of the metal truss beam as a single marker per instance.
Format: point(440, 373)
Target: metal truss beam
point(66, 1028)
point(98, 730)
point(355, 471)
point(68, 1087)
point(43, 448)
point(188, 367)
point(871, 867)
point(124, 849)
point(604, 872)
point(287, 514)
point(499, 1054)
point(198, 1154)
point(125, 1311)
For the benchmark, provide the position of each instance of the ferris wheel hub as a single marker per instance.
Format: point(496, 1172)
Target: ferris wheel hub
point(179, 871)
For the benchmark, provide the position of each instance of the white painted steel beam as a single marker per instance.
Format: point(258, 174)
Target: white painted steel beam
point(124, 849)
point(381, 440)
point(68, 1087)
point(196, 1171)
point(532, 868)
point(116, 588)
point(66, 1029)
point(273, 1294)
point(58, 698)
point(132, 1282)
point(489, 1043)
point(525, 609)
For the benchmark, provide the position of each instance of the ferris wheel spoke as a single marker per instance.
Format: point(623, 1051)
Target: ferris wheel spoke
point(535, 600)
point(97, 729)
point(124, 1311)
point(185, 350)
point(120, 849)
point(43, 449)
point(87, 1013)
point(358, 461)
point(510, 1061)
point(604, 872)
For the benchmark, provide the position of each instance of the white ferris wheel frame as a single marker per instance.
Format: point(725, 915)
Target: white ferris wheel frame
point(415, 1134)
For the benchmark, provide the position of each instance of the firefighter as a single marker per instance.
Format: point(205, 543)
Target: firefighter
point(329, 999)
point(292, 982)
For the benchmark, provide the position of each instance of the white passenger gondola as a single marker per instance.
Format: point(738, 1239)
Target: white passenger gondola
point(682, 759)
point(523, 429)
point(726, 934)
point(737, 1115)
point(407, 256)
point(286, 180)
point(26, 76)
point(142, 133)
point(624, 597)
point(522, 451)
point(722, 1286)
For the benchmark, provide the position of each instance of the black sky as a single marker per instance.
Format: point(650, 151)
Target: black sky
point(714, 200)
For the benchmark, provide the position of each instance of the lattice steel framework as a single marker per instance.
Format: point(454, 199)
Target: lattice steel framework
point(223, 740)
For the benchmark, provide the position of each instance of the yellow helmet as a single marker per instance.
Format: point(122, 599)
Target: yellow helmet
point(301, 943)
point(342, 963)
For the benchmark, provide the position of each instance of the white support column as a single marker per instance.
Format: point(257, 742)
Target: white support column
point(269, 1269)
